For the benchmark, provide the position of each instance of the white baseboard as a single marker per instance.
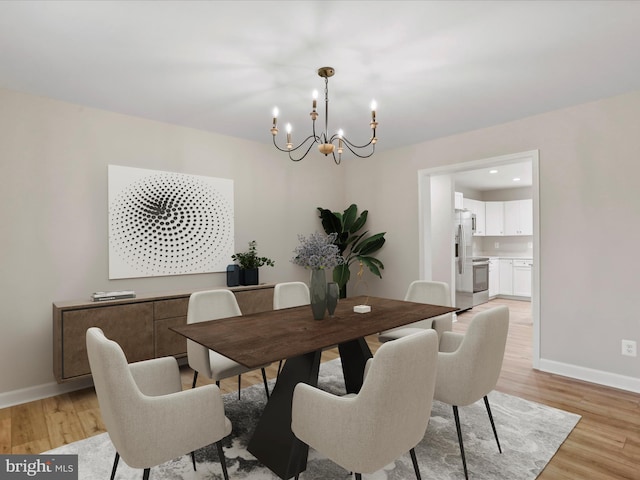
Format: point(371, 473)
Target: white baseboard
point(30, 394)
point(599, 377)
point(631, 384)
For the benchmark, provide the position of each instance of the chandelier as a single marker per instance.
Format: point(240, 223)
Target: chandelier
point(326, 143)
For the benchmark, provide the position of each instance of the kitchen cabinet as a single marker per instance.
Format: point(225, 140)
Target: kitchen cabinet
point(515, 277)
point(494, 218)
point(522, 278)
point(494, 276)
point(506, 276)
point(518, 217)
point(477, 208)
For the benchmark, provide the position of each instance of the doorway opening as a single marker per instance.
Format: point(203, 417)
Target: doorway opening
point(436, 194)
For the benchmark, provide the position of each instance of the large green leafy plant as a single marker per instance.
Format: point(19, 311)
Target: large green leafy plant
point(354, 246)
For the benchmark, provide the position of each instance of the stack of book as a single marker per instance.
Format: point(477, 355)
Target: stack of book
point(102, 296)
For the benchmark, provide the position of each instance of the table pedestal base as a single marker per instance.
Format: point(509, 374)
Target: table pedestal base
point(273, 442)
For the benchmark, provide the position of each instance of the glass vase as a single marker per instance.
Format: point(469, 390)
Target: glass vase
point(318, 293)
point(333, 292)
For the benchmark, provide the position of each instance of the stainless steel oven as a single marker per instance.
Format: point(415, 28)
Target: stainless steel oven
point(480, 267)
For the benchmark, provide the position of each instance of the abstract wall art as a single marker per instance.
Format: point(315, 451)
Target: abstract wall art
point(163, 223)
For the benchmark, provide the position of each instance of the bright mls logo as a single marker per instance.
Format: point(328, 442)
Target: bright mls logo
point(49, 467)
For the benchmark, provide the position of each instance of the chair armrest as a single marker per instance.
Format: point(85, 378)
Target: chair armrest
point(450, 341)
point(158, 376)
point(318, 418)
point(443, 323)
point(191, 419)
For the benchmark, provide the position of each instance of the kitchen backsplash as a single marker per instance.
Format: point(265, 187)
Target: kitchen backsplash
point(503, 246)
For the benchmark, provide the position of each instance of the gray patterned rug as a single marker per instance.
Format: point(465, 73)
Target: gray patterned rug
point(530, 434)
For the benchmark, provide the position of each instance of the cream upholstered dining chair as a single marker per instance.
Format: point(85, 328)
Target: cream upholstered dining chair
point(213, 305)
point(469, 365)
point(387, 418)
point(149, 419)
point(424, 291)
point(290, 294)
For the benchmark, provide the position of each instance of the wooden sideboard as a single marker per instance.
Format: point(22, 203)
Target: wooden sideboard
point(140, 325)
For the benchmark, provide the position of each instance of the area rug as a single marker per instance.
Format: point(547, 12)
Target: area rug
point(529, 433)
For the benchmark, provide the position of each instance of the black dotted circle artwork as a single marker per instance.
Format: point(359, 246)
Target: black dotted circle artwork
point(168, 224)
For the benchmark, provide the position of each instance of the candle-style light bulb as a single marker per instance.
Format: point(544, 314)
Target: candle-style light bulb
point(288, 129)
point(274, 128)
point(340, 134)
point(314, 94)
point(374, 105)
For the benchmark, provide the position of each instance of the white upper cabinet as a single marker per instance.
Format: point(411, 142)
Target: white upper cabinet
point(477, 208)
point(494, 218)
point(518, 217)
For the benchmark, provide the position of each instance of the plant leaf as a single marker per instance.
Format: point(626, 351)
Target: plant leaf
point(348, 217)
point(371, 265)
point(354, 241)
point(372, 244)
point(341, 275)
point(359, 223)
point(330, 222)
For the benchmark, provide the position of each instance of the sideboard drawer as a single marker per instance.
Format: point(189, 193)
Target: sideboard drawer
point(176, 307)
point(130, 325)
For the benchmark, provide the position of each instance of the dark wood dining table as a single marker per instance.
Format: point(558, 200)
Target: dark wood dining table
point(261, 338)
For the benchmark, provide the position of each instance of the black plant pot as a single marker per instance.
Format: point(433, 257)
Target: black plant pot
point(248, 276)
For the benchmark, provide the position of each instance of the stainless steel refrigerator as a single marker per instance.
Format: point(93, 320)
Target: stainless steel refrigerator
point(464, 224)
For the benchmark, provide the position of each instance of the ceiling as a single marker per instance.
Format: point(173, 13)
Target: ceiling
point(435, 68)
point(496, 177)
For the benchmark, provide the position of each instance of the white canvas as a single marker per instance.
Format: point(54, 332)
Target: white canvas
point(164, 223)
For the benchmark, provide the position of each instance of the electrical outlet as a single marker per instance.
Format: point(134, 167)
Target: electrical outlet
point(629, 348)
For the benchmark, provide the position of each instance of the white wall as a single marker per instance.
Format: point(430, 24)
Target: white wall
point(53, 210)
point(589, 207)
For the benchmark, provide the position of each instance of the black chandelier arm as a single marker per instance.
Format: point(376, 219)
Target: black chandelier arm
point(305, 153)
point(351, 144)
point(373, 149)
point(336, 160)
point(314, 139)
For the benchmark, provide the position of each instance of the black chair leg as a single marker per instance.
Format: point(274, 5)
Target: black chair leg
point(239, 385)
point(193, 460)
point(414, 459)
point(358, 476)
point(464, 461)
point(223, 462)
point(266, 385)
point(279, 368)
point(495, 432)
point(145, 475)
point(195, 378)
point(115, 466)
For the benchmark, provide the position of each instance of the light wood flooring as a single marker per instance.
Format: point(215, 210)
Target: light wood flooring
point(604, 445)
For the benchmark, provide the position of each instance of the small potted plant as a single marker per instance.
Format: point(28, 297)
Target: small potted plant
point(250, 262)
